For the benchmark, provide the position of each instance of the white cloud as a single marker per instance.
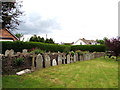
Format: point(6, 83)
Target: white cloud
point(91, 19)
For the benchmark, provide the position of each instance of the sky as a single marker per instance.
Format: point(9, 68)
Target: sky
point(68, 20)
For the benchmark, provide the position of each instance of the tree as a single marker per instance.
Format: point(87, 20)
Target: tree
point(19, 35)
point(114, 46)
point(10, 13)
point(100, 41)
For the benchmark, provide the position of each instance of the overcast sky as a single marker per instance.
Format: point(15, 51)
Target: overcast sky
point(69, 20)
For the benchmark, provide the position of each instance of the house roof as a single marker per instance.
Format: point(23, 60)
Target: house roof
point(6, 34)
point(86, 41)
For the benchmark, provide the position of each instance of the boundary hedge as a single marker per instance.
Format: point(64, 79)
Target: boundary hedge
point(18, 46)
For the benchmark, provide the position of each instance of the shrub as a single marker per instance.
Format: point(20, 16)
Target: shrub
point(19, 61)
point(18, 46)
point(90, 48)
point(37, 51)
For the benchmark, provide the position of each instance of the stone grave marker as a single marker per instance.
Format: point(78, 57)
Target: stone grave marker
point(11, 52)
point(24, 51)
point(54, 63)
point(74, 58)
point(7, 52)
point(39, 61)
point(68, 59)
point(47, 60)
point(71, 59)
point(59, 59)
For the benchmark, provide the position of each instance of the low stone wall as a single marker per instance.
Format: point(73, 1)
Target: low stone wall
point(33, 62)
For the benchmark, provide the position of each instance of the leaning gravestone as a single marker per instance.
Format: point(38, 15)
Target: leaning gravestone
point(47, 60)
point(59, 59)
point(7, 52)
point(54, 63)
point(24, 51)
point(39, 61)
point(11, 52)
point(68, 58)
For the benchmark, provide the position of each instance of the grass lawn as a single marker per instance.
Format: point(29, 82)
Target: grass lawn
point(96, 73)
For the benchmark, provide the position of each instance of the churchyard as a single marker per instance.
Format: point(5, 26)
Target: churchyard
point(96, 73)
point(58, 70)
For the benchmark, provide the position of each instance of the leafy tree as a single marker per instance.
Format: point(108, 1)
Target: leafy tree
point(114, 46)
point(19, 35)
point(34, 38)
point(10, 13)
point(100, 41)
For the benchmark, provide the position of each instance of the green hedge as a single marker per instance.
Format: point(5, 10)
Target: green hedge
point(90, 48)
point(18, 46)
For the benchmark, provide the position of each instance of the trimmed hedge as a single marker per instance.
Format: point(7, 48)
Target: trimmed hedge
point(18, 46)
point(90, 48)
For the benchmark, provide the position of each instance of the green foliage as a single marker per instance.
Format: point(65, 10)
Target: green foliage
point(79, 52)
point(90, 48)
point(37, 51)
point(19, 61)
point(72, 53)
point(100, 41)
point(18, 46)
point(36, 38)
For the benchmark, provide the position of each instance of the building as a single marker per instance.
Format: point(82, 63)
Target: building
point(6, 35)
point(83, 41)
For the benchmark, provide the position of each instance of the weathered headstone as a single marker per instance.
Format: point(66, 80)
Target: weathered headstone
point(24, 51)
point(7, 52)
point(54, 63)
point(63, 59)
point(39, 61)
point(59, 59)
point(11, 52)
point(71, 59)
point(47, 60)
point(81, 58)
point(18, 53)
point(68, 58)
point(74, 58)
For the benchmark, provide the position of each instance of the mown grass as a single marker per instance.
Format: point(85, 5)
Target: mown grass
point(97, 73)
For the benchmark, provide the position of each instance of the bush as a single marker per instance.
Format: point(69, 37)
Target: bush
point(90, 48)
point(37, 51)
point(19, 61)
point(18, 46)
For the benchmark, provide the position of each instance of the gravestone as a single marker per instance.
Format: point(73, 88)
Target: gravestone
point(68, 58)
point(47, 60)
point(18, 53)
point(63, 59)
point(11, 52)
point(54, 63)
point(74, 58)
point(24, 51)
point(59, 59)
point(81, 58)
point(39, 61)
point(71, 59)
point(7, 52)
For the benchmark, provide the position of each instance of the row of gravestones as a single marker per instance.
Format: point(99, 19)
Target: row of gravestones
point(45, 60)
point(11, 52)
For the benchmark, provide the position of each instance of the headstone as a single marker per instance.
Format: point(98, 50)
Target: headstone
point(11, 52)
point(71, 59)
point(59, 59)
point(47, 60)
point(39, 61)
point(74, 58)
point(54, 63)
point(24, 51)
point(63, 59)
point(18, 53)
point(68, 58)
point(81, 57)
point(7, 52)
